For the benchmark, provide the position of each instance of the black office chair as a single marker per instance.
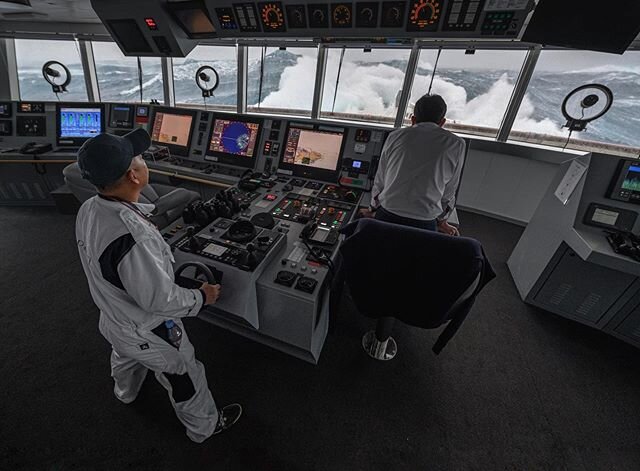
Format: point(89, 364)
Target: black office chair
point(409, 263)
point(169, 201)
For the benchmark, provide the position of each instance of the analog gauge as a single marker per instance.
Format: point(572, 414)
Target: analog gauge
point(392, 14)
point(424, 14)
point(367, 15)
point(296, 17)
point(341, 15)
point(318, 16)
point(272, 16)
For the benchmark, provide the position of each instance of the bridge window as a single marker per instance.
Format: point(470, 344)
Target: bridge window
point(225, 62)
point(557, 73)
point(32, 54)
point(476, 85)
point(118, 77)
point(364, 85)
point(281, 80)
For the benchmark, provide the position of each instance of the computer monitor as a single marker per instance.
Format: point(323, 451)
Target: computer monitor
point(234, 140)
point(625, 185)
point(121, 116)
point(173, 128)
point(313, 152)
point(78, 122)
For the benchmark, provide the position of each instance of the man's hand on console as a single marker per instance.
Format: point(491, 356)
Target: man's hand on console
point(446, 228)
point(366, 213)
point(212, 293)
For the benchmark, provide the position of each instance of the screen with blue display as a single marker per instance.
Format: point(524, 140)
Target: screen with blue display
point(80, 122)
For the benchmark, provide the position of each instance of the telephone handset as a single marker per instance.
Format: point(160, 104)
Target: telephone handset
point(33, 148)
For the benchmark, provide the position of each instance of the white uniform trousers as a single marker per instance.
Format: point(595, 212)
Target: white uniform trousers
point(176, 369)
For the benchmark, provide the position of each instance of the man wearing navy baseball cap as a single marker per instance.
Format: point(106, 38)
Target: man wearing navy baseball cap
point(129, 269)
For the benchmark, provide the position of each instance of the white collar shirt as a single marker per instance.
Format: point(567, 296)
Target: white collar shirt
point(419, 172)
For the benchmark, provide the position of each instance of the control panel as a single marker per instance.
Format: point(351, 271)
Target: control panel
point(625, 186)
point(403, 19)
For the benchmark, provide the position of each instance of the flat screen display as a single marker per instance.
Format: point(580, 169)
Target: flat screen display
point(193, 18)
point(234, 137)
point(585, 24)
point(83, 123)
point(631, 181)
point(173, 129)
point(121, 116)
point(311, 148)
point(129, 36)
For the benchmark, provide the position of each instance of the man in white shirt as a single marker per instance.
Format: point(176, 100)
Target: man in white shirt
point(129, 269)
point(419, 171)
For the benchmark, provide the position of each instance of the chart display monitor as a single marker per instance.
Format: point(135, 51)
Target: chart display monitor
point(234, 141)
point(313, 149)
point(76, 123)
point(173, 129)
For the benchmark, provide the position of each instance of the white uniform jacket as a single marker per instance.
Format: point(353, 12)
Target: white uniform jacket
point(129, 269)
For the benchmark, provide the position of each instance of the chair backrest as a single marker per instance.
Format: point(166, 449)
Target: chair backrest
point(83, 189)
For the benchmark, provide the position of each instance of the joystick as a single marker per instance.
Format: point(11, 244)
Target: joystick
point(252, 260)
point(194, 243)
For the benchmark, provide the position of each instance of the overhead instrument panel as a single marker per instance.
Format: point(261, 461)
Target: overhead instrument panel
point(392, 14)
point(367, 14)
point(390, 21)
point(247, 17)
point(318, 15)
point(341, 15)
point(424, 15)
point(296, 16)
point(272, 16)
point(463, 15)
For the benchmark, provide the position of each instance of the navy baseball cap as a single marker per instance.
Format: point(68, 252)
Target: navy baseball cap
point(105, 158)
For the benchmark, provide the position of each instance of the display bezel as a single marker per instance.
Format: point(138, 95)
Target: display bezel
point(173, 148)
point(313, 173)
point(130, 118)
point(233, 159)
point(76, 141)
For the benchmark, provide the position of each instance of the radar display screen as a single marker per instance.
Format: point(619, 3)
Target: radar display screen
point(80, 122)
point(463, 15)
point(247, 17)
point(318, 149)
point(367, 15)
point(424, 15)
point(318, 16)
point(234, 138)
point(272, 17)
point(296, 16)
point(341, 15)
point(392, 14)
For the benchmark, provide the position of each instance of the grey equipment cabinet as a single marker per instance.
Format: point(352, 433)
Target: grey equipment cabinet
point(564, 264)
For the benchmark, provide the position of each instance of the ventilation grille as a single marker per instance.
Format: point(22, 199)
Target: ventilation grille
point(589, 303)
point(23, 192)
point(560, 294)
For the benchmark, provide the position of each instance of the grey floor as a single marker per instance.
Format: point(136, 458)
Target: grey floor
point(517, 389)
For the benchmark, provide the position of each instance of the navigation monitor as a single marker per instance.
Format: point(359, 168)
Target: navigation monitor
point(77, 123)
point(626, 184)
point(121, 117)
point(313, 153)
point(173, 128)
point(234, 141)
